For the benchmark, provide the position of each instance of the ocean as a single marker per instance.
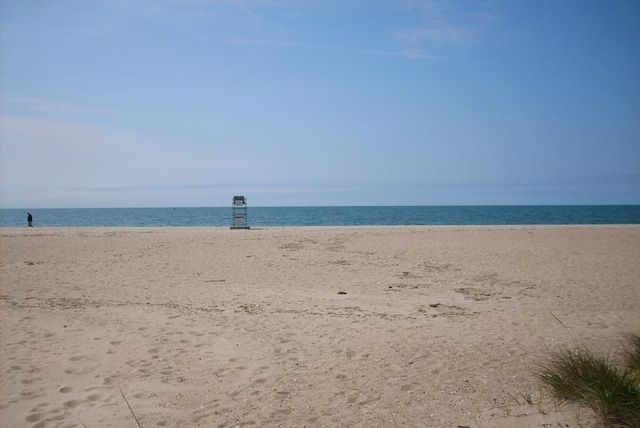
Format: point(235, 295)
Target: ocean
point(326, 216)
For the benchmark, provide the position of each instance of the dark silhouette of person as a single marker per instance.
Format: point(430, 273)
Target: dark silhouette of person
point(29, 220)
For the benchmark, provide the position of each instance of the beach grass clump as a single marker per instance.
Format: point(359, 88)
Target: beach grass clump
point(612, 391)
point(631, 352)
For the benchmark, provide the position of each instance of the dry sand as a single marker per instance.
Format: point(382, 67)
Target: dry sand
point(328, 326)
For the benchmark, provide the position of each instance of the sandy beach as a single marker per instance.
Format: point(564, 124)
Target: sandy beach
point(305, 327)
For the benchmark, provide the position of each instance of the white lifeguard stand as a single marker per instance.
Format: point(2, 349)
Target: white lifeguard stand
point(239, 211)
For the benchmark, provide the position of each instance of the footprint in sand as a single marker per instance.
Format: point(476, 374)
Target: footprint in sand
point(77, 358)
point(26, 394)
point(72, 404)
point(34, 417)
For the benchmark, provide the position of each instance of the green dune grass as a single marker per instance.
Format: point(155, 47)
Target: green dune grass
point(611, 390)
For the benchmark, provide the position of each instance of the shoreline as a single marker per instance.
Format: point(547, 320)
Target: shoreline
point(438, 325)
point(331, 216)
point(382, 226)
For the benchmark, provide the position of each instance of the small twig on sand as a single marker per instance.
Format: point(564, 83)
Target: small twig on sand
point(560, 322)
point(82, 423)
point(394, 419)
point(126, 401)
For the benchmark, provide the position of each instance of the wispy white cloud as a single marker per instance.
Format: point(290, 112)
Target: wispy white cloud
point(445, 23)
point(407, 53)
point(269, 23)
point(47, 153)
point(39, 104)
point(439, 34)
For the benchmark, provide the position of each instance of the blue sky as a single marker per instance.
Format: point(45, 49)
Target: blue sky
point(300, 103)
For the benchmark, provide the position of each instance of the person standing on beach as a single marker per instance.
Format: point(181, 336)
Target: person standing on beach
point(29, 220)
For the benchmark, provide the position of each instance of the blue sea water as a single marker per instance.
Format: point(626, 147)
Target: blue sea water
point(326, 216)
